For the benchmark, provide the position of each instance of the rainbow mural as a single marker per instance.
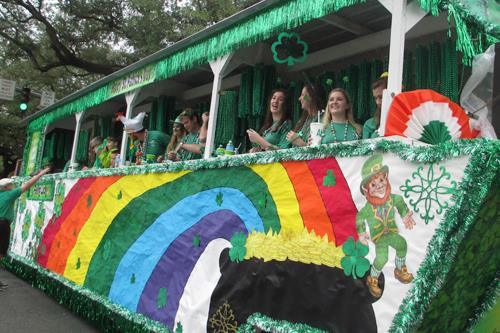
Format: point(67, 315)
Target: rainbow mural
point(130, 237)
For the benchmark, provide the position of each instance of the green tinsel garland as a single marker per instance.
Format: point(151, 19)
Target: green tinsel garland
point(226, 118)
point(262, 322)
point(478, 175)
point(106, 315)
point(476, 256)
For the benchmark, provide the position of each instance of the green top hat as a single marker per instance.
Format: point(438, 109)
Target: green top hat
point(373, 165)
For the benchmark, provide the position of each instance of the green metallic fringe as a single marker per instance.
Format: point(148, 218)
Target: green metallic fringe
point(105, 315)
point(405, 151)
point(82, 103)
point(262, 322)
point(442, 249)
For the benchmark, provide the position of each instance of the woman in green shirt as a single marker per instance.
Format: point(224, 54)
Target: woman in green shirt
point(311, 99)
point(338, 122)
point(276, 125)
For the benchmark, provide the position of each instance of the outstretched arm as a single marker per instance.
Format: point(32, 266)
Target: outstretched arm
point(26, 186)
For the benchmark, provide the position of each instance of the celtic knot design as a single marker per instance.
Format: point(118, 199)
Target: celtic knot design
point(430, 190)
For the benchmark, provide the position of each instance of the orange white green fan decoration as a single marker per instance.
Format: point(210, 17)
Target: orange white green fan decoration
point(427, 116)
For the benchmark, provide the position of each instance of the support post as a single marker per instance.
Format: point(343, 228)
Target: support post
point(78, 118)
point(130, 98)
point(403, 17)
point(218, 66)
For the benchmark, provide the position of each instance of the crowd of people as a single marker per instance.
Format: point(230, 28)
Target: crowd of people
point(189, 130)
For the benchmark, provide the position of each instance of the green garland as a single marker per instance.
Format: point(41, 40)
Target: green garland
point(476, 256)
point(262, 322)
point(478, 175)
point(108, 316)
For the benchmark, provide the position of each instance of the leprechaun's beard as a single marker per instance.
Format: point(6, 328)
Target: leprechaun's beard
point(375, 200)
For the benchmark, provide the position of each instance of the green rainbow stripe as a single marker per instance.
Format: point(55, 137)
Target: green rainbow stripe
point(121, 234)
point(116, 197)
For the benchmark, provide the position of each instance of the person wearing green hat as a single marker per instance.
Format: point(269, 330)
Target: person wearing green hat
point(379, 214)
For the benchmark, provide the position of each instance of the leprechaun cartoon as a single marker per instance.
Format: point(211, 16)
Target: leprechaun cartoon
point(379, 213)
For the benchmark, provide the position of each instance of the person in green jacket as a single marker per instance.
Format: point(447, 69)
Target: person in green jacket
point(370, 128)
point(145, 146)
point(379, 214)
point(276, 125)
point(8, 197)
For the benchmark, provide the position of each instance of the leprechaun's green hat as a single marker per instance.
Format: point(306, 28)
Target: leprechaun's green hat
point(373, 165)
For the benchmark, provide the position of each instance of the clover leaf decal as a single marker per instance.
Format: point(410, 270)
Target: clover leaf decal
point(238, 250)
point(289, 49)
point(354, 263)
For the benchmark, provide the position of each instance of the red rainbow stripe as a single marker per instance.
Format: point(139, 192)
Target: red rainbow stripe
point(337, 199)
point(70, 228)
point(53, 227)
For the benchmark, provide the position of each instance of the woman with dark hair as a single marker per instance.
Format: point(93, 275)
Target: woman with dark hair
point(370, 128)
point(338, 121)
point(276, 125)
point(311, 99)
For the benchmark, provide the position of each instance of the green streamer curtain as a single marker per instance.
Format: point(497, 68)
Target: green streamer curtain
point(166, 112)
point(83, 146)
point(226, 118)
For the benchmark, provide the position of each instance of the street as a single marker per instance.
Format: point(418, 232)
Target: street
point(25, 309)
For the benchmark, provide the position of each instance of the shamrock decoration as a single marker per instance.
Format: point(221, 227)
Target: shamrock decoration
point(345, 79)
point(178, 328)
point(289, 49)
point(196, 241)
point(354, 263)
point(89, 201)
point(329, 179)
point(219, 199)
point(238, 249)
point(161, 299)
point(78, 263)
point(132, 278)
point(119, 196)
point(329, 82)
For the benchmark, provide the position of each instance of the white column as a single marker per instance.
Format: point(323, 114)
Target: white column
point(404, 17)
point(78, 118)
point(218, 66)
point(130, 98)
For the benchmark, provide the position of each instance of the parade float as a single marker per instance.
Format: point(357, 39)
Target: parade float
point(285, 240)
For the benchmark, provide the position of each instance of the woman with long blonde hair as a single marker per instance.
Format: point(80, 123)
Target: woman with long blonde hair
point(338, 121)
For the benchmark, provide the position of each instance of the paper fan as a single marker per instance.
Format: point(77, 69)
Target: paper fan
point(427, 116)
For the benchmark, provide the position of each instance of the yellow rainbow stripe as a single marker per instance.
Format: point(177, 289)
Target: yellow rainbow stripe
point(283, 194)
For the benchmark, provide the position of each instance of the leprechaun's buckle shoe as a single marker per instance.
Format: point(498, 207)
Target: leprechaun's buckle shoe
point(373, 286)
point(402, 275)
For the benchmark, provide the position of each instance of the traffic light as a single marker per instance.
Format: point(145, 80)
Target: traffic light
point(25, 98)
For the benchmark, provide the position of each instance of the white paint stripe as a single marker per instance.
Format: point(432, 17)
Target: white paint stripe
point(195, 301)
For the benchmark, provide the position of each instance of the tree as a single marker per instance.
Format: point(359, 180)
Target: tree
point(65, 45)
